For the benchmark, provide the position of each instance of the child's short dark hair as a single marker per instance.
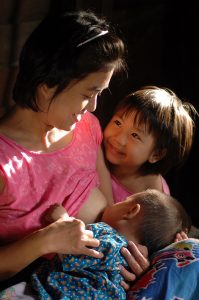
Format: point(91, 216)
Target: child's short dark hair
point(52, 55)
point(170, 120)
point(162, 217)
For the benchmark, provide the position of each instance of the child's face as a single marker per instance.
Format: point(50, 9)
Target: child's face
point(127, 145)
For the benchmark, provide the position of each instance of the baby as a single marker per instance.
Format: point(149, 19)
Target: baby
point(150, 218)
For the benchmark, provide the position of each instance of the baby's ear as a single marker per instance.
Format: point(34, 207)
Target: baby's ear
point(157, 155)
point(132, 212)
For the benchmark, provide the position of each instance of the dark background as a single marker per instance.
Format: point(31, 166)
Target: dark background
point(161, 38)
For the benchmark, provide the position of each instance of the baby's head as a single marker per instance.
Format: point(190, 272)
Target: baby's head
point(160, 113)
point(150, 218)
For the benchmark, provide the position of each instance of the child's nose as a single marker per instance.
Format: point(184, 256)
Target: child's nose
point(121, 138)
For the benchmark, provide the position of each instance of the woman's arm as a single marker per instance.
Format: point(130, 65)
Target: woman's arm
point(62, 236)
point(16, 256)
point(68, 237)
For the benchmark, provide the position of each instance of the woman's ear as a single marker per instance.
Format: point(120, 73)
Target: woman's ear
point(44, 95)
point(157, 155)
point(132, 212)
point(46, 91)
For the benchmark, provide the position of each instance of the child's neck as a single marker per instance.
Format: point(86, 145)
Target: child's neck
point(135, 182)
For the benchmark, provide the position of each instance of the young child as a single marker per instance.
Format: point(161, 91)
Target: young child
point(150, 217)
point(150, 132)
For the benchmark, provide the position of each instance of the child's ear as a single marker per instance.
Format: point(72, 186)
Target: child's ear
point(157, 155)
point(132, 212)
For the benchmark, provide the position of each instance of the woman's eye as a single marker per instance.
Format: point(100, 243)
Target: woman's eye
point(87, 97)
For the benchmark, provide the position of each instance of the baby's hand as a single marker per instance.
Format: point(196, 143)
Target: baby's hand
point(181, 236)
point(56, 212)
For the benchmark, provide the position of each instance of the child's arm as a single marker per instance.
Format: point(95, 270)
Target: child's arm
point(104, 177)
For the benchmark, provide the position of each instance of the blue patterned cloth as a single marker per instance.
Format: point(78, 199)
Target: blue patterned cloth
point(82, 277)
point(173, 275)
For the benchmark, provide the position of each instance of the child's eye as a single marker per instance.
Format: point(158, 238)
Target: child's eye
point(117, 122)
point(135, 136)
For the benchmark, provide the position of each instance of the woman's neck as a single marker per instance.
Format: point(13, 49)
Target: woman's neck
point(30, 130)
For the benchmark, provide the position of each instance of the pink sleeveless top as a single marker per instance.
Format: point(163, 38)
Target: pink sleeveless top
point(120, 192)
point(36, 181)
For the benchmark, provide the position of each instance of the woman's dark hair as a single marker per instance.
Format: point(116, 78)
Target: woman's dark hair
point(52, 55)
point(170, 120)
point(162, 217)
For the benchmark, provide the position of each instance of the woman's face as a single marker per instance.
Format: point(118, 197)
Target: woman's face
point(78, 97)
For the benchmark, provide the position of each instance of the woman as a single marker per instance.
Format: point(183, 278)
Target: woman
point(50, 143)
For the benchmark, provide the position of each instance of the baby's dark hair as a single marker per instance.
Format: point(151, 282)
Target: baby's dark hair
point(161, 218)
point(55, 54)
point(170, 120)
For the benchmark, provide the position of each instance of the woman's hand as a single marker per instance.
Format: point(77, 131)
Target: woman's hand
point(69, 237)
point(137, 259)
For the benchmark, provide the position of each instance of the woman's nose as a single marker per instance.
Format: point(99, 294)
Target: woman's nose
point(92, 104)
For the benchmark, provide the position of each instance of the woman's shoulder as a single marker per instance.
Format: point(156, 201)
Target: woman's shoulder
point(90, 124)
point(90, 118)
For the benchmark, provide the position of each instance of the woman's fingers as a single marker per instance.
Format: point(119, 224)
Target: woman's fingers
point(92, 252)
point(125, 285)
point(128, 276)
point(136, 257)
point(88, 242)
point(140, 254)
point(143, 249)
point(89, 233)
point(132, 263)
point(71, 237)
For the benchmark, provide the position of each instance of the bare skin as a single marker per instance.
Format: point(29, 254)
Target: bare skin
point(47, 131)
point(115, 216)
point(127, 148)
